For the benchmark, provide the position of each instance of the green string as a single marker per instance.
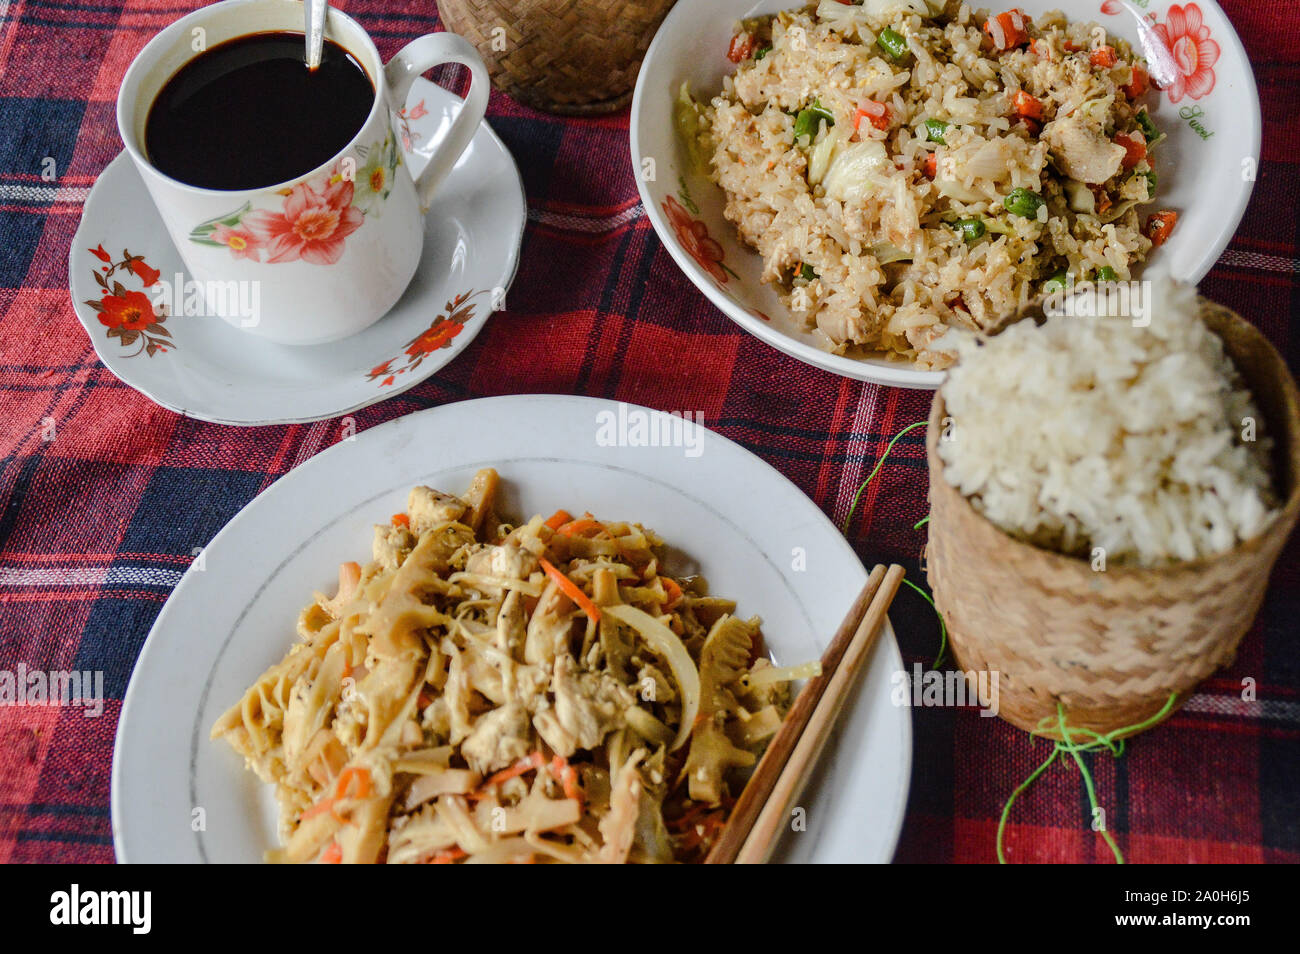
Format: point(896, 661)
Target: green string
point(1075, 749)
point(943, 628)
point(858, 496)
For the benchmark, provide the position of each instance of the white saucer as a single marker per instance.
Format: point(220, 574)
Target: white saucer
point(207, 369)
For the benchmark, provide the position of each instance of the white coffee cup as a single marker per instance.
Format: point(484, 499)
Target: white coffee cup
point(311, 284)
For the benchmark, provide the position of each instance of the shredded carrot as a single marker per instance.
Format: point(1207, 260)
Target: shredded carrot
point(332, 855)
point(1104, 57)
point(1135, 149)
point(572, 591)
point(1159, 227)
point(559, 519)
point(674, 591)
point(362, 776)
point(320, 808)
point(567, 776)
point(1026, 105)
point(449, 856)
point(576, 528)
point(424, 700)
point(932, 165)
point(401, 520)
point(526, 764)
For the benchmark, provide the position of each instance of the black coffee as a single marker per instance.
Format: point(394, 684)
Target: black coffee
point(248, 113)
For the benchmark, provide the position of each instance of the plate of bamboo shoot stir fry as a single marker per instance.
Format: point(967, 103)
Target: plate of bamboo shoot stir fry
point(539, 658)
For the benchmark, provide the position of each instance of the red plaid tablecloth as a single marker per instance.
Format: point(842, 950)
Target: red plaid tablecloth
point(104, 496)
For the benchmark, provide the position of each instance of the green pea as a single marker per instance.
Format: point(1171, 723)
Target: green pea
point(972, 230)
point(1023, 202)
point(934, 130)
point(1058, 282)
point(893, 43)
point(1106, 274)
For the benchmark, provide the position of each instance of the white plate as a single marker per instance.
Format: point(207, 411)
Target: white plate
point(1208, 180)
point(215, 372)
point(740, 519)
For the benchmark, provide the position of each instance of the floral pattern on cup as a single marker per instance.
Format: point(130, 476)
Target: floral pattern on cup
point(129, 314)
point(1187, 38)
point(314, 218)
point(694, 237)
point(404, 117)
point(457, 313)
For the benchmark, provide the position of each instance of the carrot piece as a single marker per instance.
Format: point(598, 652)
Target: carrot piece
point(1104, 57)
point(1137, 86)
point(449, 856)
point(571, 590)
point(1007, 30)
point(932, 165)
point(526, 764)
point(674, 591)
point(1027, 105)
point(576, 528)
point(333, 854)
point(1135, 149)
point(362, 775)
point(320, 808)
point(741, 47)
point(401, 520)
point(559, 519)
point(1159, 227)
point(878, 114)
point(567, 776)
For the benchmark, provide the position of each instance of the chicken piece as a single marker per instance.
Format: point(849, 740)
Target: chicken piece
point(500, 738)
point(618, 827)
point(429, 508)
point(1082, 149)
point(511, 620)
point(392, 545)
point(587, 707)
point(506, 562)
point(548, 627)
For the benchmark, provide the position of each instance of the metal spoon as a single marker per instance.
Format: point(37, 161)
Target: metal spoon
point(315, 11)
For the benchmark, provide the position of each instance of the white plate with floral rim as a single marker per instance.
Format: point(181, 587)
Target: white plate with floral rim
point(180, 797)
point(122, 257)
point(1209, 110)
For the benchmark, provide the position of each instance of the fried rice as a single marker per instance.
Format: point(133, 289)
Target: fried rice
point(906, 166)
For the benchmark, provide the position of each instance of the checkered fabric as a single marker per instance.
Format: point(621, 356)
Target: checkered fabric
point(98, 523)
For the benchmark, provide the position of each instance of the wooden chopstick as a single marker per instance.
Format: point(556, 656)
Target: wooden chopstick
point(771, 821)
point(755, 793)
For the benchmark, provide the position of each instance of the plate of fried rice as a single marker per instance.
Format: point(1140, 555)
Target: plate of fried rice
point(852, 181)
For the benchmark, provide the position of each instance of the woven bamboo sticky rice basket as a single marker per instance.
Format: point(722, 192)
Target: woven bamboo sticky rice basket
point(573, 57)
point(1109, 646)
